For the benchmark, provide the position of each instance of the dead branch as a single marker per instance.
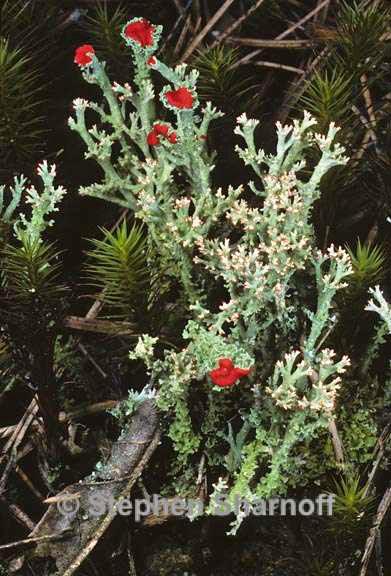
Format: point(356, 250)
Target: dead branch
point(80, 412)
point(284, 34)
point(95, 364)
point(298, 87)
point(28, 541)
point(378, 453)
point(22, 427)
point(127, 460)
point(276, 65)
point(100, 326)
point(179, 7)
point(23, 476)
point(201, 35)
point(236, 24)
point(337, 443)
point(182, 35)
point(10, 450)
point(20, 516)
point(375, 531)
point(260, 43)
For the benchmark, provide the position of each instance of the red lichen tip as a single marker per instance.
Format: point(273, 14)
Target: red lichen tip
point(153, 139)
point(161, 130)
point(226, 375)
point(83, 55)
point(172, 138)
point(152, 61)
point(181, 98)
point(141, 32)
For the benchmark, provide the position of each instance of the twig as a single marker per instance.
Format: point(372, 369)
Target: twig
point(7, 431)
point(197, 25)
point(175, 27)
point(20, 516)
point(363, 146)
point(298, 87)
point(196, 13)
point(100, 326)
point(16, 440)
point(379, 560)
point(111, 515)
point(73, 415)
point(84, 351)
point(183, 34)
point(369, 134)
point(236, 24)
point(7, 471)
point(132, 566)
point(88, 410)
point(36, 540)
point(284, 34)
point(380, 447)
point(289, 44)
point(23, 476)
point(322, 15)
point(22, 427)
point(375, 531)
point(337, 443)
point(265, 64)
point(179, 7)
point(127, 459)
point(369, 105)
point(201, 470)
point(198, 39)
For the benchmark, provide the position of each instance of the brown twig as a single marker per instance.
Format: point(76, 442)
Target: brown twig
point(369, 105)
point(379, 453)
point(236, 24)
point(382, 510)
point(15, 440)
point(368, 136)
point(298, 87)
point(88, 410)
point(182, 35)
point(337, 443)
point(321, 16)
point(197, 25)
point(284, 34)
point(265, 64)
point(20, 516)
point(100, 326)
point(124, 461)
point(7, 431)
point(132, 566)
point(28, 541)
point(95, 364)
point(363, 146)
point(260, 43)
point(201, 35)
point(22, 427)
point(23, 476)
point(179, 7)
point(80, 412)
